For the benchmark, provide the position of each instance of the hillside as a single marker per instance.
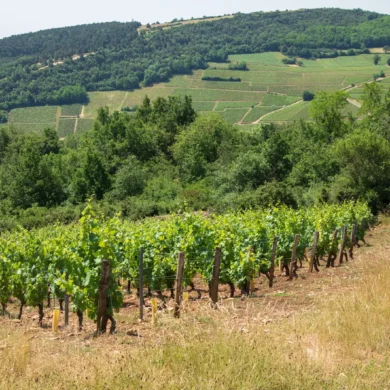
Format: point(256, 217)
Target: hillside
point(269, 92)
point(217, 189)
point(187, 146)
point(125, 59)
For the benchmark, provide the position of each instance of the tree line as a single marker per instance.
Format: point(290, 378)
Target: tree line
point(165, 158)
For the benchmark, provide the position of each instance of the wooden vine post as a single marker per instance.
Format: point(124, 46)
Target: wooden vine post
point(153, 301)
point(179, 282)
point(342, 246)
point(293, 263)
point(313, 253)
point(141, 284)
point(273, 255)
point(353, 240)
point(332, 250)
point(102, 302)
point(55, 320)
point(215, 279)
point(66, 307)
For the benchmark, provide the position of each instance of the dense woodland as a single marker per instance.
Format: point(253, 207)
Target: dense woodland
point(164, 158)
point(120, 58)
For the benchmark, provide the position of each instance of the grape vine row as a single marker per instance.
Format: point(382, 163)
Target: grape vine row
point(69, 258)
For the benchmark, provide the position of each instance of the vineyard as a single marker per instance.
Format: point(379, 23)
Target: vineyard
point(269, 91)
point(85, 261)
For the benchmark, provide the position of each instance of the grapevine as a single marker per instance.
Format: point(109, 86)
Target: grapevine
point(68, 259)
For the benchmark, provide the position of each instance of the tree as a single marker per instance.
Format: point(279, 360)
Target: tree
point(249, 171)
point(307, 96)
point(376, 108)
point(130, 179)
point(386, 49)
point(388, 61)
point(325, 110)
point(29, 177)
point(92, 178)
point(50, 143)
point(3, 116)
point(371, 97)
point(206, 140)
point(364, 159)
point(376, 59)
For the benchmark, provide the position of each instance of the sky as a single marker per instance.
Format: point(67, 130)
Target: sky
point(23, 16)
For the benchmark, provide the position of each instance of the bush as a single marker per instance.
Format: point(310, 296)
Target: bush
point(307, 96)
point(230, 79)
point(238, 66)
point(377, 76)
point(129, 109)
point(289, 61)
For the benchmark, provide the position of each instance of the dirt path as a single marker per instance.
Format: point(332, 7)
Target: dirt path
point(82, 112)
point(354, 102)
point(75, 125)
point(246, 114)
point(123, 101)
point(350, 87)
point(58, 115)
point(280, 109)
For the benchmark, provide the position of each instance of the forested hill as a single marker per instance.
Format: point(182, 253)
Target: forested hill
point(125, 58)
point(67, 41)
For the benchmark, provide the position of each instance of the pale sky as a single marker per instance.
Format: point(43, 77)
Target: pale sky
point(20, 16)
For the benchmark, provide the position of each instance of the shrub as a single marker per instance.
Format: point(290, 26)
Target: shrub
point(307, 96)
point(289, 61)
point(238, 66)
point(229, 79)
point(129, 109)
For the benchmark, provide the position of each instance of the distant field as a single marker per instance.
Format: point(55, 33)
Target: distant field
point(33, 115)
point(71, 110)
point(233, 115)
point(291, 113)
point(268, 92)
point(203, 106)
point(179, 23)
point(36, 128)
point(37, 119)
point(84, 125)
point(257, 112)
point(66, 127)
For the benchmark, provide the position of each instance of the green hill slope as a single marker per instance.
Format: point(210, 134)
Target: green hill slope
point(35, 68)
point(269, 91)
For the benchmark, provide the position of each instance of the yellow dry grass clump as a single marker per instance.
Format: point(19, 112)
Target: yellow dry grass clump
point(340, 342)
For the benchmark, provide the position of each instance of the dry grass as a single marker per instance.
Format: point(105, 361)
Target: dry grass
point(341, 342)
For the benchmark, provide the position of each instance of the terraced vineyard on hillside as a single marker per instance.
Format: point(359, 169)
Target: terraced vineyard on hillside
point(269, 91)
